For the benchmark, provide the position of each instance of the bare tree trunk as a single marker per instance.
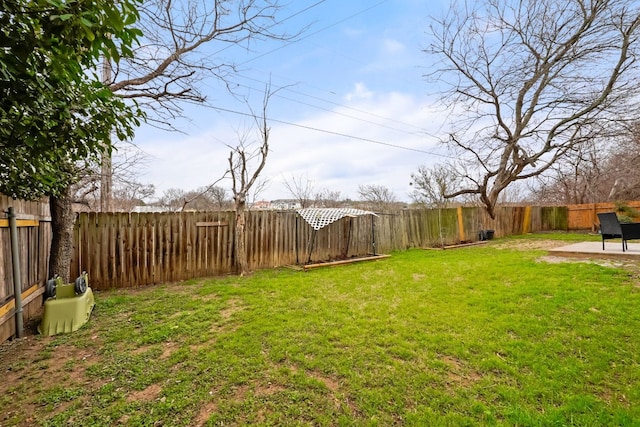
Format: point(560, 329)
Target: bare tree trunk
point(62, 222)
point(241, 249)
point(243, 179)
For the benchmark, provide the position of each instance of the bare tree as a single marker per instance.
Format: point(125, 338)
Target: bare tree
point(576, 178)
point(431, 184)
point(175, 55)
point(171, 60)
point(134, 194)
point(598, 171)
point(623, 176)
point(165, 70)
point(173, 199)
point(301, 189)
point(127, 191)
point(258, 188)
point(376, 196)
point(220, 198)
point(246, 161)
point(530, 81)
point(328, 199)
point(200, 199)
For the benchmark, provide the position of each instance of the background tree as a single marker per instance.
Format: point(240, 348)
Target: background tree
point(599, 171)
point(376, 197)
point(575, 179)
point(220, 198)
point(623, 175)
point(431, 184)
point(207, 198)
point(326, 198)
point(301, 189)
point(530, 81)
point(128, 191)
point(172, 198)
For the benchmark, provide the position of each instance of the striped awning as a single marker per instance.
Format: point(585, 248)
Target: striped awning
point(319, 218)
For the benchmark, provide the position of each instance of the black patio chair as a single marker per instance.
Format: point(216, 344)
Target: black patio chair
point(611, 228)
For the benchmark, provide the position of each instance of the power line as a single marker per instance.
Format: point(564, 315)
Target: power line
point(347, 107)
point(420, 129)
point(274, 24)
point(330, 132)
point(314, 33)
point(360, 12)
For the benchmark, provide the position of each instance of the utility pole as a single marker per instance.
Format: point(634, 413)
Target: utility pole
point(106, 173)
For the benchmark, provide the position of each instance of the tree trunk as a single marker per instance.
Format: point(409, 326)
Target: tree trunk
point(62, 222)
point(241, 248)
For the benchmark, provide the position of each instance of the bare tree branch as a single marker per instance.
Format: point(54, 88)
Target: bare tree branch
point(301, 188)
point(531, 81)
point(244, 172)
point(171, 60)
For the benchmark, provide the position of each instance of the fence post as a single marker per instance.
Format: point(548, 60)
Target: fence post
point(526, 222)
point(17, 282)
point(461, 224)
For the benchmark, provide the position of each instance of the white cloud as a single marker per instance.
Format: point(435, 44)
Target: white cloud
point(360, 91)
point(363, 153)
point(393, 47)
point(353, 33)
point(367, 140)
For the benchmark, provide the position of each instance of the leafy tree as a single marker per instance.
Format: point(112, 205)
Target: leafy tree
point(528, 82)
point(53, 109)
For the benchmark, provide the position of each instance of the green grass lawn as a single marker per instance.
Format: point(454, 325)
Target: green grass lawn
point(484, 335)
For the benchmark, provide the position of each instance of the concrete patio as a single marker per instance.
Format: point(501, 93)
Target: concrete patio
point(613, 250)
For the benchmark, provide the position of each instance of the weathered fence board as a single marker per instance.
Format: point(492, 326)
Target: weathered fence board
point(34, 237)
point(137, 249)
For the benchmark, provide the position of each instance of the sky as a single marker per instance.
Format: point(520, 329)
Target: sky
point(351, 105)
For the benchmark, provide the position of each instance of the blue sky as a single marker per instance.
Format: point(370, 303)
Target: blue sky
point(355, 108)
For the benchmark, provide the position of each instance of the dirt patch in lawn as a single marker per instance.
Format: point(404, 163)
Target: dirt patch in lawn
point(632, 266)
point(530, 245)
point(30, 362)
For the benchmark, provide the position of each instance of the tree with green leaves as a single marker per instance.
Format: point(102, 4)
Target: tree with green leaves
point(54, 110)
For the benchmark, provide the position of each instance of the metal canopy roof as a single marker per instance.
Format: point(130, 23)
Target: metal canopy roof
point(319, 218)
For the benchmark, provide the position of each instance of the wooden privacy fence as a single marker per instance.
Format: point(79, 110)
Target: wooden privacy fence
point(34, 237)
point(129, 250)
point(137, 249)
point(584, 217)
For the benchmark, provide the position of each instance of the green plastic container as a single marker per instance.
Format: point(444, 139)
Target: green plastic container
point(67, 312)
